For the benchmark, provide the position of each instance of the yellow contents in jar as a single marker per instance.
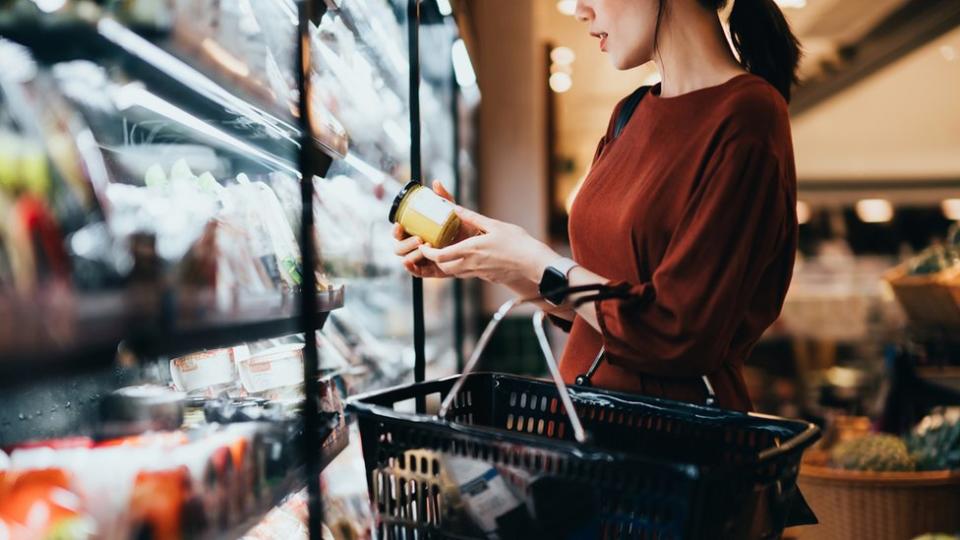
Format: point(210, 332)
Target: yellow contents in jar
point(423, 213)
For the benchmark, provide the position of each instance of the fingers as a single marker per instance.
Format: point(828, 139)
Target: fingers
point(424, 269)
point(457, 268)
point(407, 245)
point(415, 257)
point(450, 253)
point(398, 232)
point(475, 220)
point(441, 190)
point(412, 269)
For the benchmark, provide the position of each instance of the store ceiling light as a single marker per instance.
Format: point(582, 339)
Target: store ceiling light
point(874, 210)
point(791, 4)
point(951, 209)
point(444, 7)
point(567, 7)
point(462, 68)
point(560, 82)
point(563, 56)
point(803, 212)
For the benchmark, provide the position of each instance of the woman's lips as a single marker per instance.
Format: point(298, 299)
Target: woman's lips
point(603, 39)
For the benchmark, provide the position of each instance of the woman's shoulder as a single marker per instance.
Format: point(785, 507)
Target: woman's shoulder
point(753, 106)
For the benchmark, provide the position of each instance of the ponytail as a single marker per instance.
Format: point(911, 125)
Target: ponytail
point(764, 42)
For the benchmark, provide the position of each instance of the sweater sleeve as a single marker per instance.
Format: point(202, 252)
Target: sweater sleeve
point(681, 323)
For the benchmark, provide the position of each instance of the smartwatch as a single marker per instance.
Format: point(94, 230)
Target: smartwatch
point(555, 279)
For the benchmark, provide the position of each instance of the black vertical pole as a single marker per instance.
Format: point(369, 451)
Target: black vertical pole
point(309, 163)
point(416, 170)
point(459, 337)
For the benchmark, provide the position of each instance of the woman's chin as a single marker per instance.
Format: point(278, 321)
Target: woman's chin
point(623, 63)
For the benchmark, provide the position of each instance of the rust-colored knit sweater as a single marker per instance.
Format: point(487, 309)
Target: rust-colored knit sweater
point(692, 207)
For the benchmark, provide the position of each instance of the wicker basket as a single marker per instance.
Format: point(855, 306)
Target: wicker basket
point(879, 506)
point(928, 300)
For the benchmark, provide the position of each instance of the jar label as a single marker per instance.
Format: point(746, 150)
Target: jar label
point(432, 206)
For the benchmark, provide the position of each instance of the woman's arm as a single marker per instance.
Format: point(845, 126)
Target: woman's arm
point(408, 248)
point(527, 289)
point(682, 321)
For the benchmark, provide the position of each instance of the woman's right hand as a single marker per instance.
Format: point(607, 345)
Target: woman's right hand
point(408, 247)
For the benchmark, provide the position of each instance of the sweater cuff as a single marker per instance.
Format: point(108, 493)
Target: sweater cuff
point(609, 313)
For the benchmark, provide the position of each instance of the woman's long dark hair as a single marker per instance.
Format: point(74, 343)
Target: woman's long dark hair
point(762, 38)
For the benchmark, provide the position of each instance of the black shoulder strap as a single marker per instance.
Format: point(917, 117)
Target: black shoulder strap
point(626, 111)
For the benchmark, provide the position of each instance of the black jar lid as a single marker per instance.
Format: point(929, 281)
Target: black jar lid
point(399, 198)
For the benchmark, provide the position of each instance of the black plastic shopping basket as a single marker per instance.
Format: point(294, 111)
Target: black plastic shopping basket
point(622, 466)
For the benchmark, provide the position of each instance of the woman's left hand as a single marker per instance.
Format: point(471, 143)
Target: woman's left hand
point(504, 253)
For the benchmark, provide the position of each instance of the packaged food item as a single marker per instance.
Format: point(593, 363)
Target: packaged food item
point(164, 440)
point(481, 490)
point(41, 504)
point(55, 444)
point(249, 455)
point(163, 506)
point(206, 372)
point(216, 475)
point(254, 207)
point(275, 373)
point(138, 409)
point(421, 212)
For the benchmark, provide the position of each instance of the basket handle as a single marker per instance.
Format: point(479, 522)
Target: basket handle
point(586, 379)
point(578, 432)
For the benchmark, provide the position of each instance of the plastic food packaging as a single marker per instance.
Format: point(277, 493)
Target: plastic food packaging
point(275, 372)
point(421, 212)
point(137, 409)
point(254, 207)
point(41, 504)
point(481, 491)
point(164, 506)
point(207, 372)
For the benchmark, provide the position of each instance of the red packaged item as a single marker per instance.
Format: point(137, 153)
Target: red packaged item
point(223, 487)
point(164, 507)
point(165, 439)
point(210, 464)
point(38, 504)
point(244, 492)
point(54, 444)
point(36, 238)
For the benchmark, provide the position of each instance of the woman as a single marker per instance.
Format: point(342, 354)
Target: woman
point(691, 208)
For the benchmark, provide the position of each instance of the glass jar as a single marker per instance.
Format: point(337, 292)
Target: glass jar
point(421, 212)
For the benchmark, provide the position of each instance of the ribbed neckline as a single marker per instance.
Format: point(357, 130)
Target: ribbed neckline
point(695, 94)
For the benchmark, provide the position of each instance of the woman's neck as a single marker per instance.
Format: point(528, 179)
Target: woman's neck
point(693, 51)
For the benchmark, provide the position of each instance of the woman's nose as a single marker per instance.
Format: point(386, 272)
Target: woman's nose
point(583, 12)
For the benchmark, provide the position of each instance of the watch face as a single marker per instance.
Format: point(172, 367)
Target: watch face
point(552, 281)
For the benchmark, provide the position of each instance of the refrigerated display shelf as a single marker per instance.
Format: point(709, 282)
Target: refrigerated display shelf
point(395, 75)
point(333, 445)
point(229, 107)
point(98, 327)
